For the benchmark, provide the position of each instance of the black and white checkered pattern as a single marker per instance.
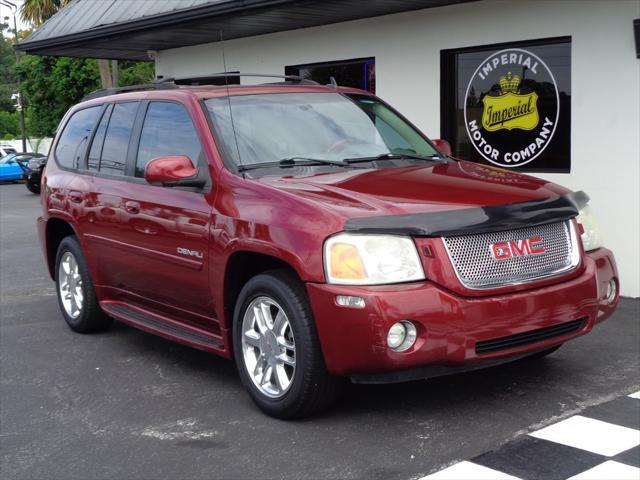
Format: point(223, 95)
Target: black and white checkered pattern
point(603, 442)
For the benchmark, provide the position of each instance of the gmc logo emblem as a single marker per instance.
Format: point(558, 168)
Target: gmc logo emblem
point(517, 248)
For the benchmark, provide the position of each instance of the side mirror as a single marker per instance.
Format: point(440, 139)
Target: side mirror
point(443, 146)
point(173, 171)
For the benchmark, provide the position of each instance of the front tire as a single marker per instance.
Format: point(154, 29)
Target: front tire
point(277, 350)
point(76, 295)
point(33, 187)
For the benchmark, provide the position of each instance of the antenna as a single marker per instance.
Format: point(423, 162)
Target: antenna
point(226, 83)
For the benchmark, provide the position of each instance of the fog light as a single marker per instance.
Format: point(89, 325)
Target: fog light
point(402, 335)
point(612, 290)
point(349, 301)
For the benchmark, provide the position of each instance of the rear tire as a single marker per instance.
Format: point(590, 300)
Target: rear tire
point(273, 321)
point(76, 295)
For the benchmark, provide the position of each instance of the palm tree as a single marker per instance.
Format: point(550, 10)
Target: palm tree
point(36, 12)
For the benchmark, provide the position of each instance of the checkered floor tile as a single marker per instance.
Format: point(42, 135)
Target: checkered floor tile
point(603, 442)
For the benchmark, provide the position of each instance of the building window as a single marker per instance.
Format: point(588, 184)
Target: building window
point(359, 73)
point(509, 105)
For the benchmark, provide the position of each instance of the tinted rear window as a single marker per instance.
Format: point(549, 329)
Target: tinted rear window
point(116, 140)
point(95, 152)
point(73, 140)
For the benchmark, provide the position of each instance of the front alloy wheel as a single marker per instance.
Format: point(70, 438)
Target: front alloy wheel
point(277, 349)
point(268, 347)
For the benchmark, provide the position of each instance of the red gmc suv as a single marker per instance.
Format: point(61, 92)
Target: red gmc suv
point(312, 234)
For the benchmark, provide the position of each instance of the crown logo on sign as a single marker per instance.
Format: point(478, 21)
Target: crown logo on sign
point(509, 83)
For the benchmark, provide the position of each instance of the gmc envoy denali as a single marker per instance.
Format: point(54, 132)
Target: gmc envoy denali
point(312, 234)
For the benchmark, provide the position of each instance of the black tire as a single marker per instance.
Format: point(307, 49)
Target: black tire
point(543, 353)
point(312, 388)
point(91, 318)
point(33, 187)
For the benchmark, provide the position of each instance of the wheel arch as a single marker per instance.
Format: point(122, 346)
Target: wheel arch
point(241, 266)
point(56, 230)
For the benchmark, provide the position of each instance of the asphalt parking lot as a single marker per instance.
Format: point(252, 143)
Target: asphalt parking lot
point(127, 405)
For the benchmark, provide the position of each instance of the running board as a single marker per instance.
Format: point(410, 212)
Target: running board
point(163, 326)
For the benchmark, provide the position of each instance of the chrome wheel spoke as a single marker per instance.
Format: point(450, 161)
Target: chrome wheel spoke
point(252, 338)
point(286, 359)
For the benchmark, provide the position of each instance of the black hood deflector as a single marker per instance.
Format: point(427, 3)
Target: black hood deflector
point(469, 221)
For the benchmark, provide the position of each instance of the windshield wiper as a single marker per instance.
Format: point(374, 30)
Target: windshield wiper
point(292, 162)
point(394, 156)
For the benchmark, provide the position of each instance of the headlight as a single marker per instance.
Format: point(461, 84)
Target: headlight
point(354, 259)
point(591, 238)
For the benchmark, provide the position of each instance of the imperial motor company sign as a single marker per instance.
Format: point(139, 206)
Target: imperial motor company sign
point(505, 119)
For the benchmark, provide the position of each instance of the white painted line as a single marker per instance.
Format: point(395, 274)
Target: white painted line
point(468, 471)
point(635, 395)
point(592, 435)
point(608, 471)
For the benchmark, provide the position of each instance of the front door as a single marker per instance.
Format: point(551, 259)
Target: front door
point(165, 230)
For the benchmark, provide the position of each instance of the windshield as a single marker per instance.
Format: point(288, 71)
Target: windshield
point(7, 158)
point(329, 126)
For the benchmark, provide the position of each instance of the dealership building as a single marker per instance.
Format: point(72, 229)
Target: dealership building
point(550, 88)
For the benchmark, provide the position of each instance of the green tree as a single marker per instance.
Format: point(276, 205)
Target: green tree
point(7, 74)
point(51, 85)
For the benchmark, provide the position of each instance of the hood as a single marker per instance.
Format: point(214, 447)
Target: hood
point(424, 188)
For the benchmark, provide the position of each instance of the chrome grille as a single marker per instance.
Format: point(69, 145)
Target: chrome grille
point(477, 268)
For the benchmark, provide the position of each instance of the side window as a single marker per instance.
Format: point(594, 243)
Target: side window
point(95, 152)
point(116, 140)
point(73, 140)
point(167, 130)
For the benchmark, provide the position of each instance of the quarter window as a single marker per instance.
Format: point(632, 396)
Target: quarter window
point(72, 143)
point(116, 141)
point(167, 130)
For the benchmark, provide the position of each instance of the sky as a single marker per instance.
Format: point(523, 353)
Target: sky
point(6, 12)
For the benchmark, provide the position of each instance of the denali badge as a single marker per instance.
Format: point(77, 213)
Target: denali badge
point(517, 248)
point(190, 253)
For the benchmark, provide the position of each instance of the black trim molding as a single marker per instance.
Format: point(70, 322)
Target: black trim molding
point(473, 220)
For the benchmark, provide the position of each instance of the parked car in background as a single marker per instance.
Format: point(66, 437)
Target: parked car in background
point(14, 165)
point(33, 173)
point(6, 149)
point(312, 234)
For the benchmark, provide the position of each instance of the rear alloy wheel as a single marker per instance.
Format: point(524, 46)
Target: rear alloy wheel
point(277, 350)
point(70, 285)
point(76, 295)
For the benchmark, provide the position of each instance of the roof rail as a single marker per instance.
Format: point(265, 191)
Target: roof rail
point(210, 79)
point(104, 92)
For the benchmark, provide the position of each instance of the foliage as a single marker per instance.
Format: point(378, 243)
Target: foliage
point(49, 85)
point(9, 124)
point(134, 73)
point(37, 12)
point(7, 75)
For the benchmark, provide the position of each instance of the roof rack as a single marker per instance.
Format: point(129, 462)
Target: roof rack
point(104, 92)
point(210, 79)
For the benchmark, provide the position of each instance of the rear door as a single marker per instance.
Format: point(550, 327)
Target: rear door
point(164, 231)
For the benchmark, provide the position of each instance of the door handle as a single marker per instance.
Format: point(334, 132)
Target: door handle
point(132, 207)
point(75, 196)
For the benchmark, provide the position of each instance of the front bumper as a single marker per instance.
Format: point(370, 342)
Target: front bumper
point(449, 325)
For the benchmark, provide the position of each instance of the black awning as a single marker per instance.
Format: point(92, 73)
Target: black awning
point(130, 34)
